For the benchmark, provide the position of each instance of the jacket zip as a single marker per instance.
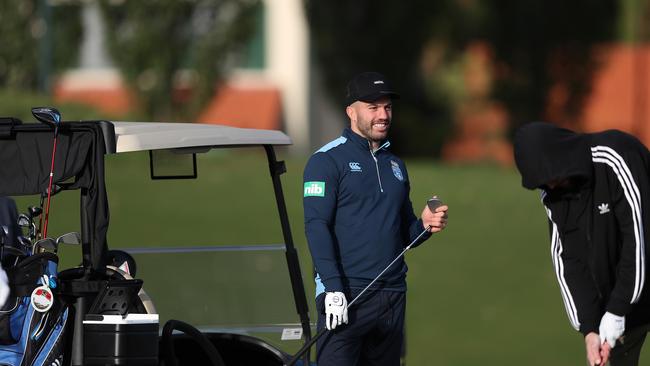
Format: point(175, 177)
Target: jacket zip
point(386, 144)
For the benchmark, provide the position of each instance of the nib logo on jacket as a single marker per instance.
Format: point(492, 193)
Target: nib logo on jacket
point(314, 189)
point(603, 208)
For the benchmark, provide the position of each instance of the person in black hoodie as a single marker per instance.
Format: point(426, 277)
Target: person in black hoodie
point(596, 192)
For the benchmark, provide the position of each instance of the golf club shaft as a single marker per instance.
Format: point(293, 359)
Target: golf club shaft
point(49, 186)
point(40, 221)
point(388, 266)
point(324, 330)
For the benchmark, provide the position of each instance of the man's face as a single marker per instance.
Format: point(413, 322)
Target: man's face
point(371, 120)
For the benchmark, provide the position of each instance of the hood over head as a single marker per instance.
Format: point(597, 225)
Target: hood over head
point(545, 152)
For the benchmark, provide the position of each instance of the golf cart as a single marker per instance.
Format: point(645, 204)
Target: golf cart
point(78, 164)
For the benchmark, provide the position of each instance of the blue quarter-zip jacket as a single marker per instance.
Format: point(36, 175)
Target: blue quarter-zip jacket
point(358, 215)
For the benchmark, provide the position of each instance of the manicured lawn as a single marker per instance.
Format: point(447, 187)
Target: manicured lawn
point(481, 293)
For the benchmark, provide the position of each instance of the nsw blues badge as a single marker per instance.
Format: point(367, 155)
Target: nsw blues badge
point(397, 172)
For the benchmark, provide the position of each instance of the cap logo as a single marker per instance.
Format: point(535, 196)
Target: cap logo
point(379, 82)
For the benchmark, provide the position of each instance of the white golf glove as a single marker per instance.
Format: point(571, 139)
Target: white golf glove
point(336, 309)
point(4, 287)
point(611, 328)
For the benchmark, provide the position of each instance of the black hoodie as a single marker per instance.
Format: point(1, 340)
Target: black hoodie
point(598, 222)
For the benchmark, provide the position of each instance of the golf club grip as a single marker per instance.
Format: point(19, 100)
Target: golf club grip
point(434, 203)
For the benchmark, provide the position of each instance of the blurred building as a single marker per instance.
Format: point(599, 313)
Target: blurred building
point(276, 79)
point(620, 96)
point(619, 99)
point(279, 79)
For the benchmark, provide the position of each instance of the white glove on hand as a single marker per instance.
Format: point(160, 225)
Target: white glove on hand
point(336, 309)
point(4, 287)
point(611, 328)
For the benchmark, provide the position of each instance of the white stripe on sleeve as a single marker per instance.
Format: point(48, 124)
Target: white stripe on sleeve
point(556, 256)
point(606, 155)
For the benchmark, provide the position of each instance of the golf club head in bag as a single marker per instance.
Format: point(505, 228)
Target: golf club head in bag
point(46, 245)
point(48, 115)
point(25, 242)
point(34, 211)
point(71, 238)
point(23, 220)
point(27, 221)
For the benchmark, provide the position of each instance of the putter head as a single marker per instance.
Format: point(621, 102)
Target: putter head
point(49, 116)
point(72, 238)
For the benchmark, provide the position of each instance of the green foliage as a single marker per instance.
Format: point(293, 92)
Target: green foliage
point(168, 47)
point(37, 40)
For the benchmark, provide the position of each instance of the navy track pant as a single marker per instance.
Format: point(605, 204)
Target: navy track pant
point(373, 335)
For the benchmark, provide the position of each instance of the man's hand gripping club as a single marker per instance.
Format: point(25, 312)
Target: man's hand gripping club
point(434, 215)
point(336, 309)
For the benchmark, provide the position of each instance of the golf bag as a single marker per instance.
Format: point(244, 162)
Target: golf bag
point(34, 320)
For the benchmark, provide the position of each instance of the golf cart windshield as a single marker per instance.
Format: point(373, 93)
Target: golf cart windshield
point(253, 288)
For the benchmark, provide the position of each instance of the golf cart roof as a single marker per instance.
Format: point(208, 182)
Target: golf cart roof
point(139, 136)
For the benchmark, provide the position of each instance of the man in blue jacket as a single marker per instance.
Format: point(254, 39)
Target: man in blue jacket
point(358, 219)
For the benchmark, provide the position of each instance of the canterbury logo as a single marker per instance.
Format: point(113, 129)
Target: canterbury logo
point(354, 166)
point(603, 208)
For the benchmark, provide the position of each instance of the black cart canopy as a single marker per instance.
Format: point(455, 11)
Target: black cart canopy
point(25, 157)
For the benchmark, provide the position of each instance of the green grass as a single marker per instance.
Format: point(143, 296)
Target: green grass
point(482, 292)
